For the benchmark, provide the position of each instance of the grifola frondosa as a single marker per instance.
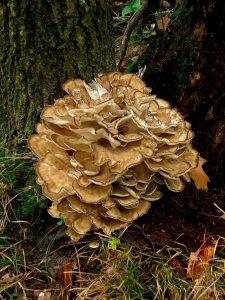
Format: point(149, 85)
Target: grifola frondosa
point(106, 148)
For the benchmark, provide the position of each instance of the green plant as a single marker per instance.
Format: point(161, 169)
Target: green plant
point(174, 13)
point(130, 68)
point(131, 272)
point(113, 243)
point(131, 7)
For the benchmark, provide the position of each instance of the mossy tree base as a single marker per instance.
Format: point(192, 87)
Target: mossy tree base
point(186, 65)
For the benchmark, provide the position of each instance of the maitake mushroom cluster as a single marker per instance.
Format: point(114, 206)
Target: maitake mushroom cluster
point(106, 148)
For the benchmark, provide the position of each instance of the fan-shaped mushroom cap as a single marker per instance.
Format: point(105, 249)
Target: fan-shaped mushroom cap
point(106, 148)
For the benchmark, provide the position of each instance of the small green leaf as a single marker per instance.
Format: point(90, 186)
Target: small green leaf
point(114, 242)
point(130, 67)
point(61, 222)
point(136, 5)
point(131, 7)
point(126, 10)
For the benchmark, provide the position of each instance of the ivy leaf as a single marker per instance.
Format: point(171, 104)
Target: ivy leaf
point(127, 9)
point(136, 5)
point(131, 7)
point(199, 176)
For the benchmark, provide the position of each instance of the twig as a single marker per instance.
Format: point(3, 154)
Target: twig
point(220, 209)
point(130, 27)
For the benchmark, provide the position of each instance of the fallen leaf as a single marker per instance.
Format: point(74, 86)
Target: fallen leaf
point(177, 265)
point(198, 263)
point(199, 176)
point(110, 271)
point(193, 260)
point(67, 274)
point(8, 278)
point(197, 76)
point(162, 23)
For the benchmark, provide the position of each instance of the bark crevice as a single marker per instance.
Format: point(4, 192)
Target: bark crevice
point(44, 43)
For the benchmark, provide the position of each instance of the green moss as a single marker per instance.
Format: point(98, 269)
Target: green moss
point(82, 2)
point(14, 8)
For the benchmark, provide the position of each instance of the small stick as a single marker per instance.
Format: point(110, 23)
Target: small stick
point(220, 209)
point(130, 27)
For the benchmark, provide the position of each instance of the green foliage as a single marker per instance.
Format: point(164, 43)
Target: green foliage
point(178, 11)
point(131, 7)
point(132, 272)
point(82, 2)
point(174, 14)
point(130, 68)
point(61, 222)
point(113, 243)
point(161, 13)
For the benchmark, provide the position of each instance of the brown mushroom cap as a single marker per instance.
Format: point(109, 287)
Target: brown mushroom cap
point(106, 148)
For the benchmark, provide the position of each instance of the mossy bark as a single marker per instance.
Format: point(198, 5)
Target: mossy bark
point(43, 43)
point(186, 65)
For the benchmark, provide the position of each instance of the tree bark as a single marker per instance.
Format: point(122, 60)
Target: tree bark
point(186, 65)
point(44, 43)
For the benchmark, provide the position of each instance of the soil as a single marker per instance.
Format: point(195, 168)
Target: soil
point(188, 218)
point(184, 221)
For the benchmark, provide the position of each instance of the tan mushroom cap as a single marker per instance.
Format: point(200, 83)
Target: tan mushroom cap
point(41, 146)
point(93, 193)
point(107, 224)
point(129, 215)
point(82, 224)
point(128, 202)
point(106, 148)
point(57, 177)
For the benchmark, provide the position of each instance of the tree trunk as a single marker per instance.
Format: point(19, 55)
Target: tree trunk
point(186, 65)
point(44, 43)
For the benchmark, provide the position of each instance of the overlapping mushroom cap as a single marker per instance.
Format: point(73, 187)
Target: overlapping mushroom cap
point(106, 148)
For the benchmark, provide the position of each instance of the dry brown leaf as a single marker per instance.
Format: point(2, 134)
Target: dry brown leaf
point(199, 176)
point(9, 278)
point(67, 274)
point(162, 23)
point(110, 271)
point(177, 265)
point(198, 263)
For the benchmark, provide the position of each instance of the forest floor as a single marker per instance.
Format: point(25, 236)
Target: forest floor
point(174, 252)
